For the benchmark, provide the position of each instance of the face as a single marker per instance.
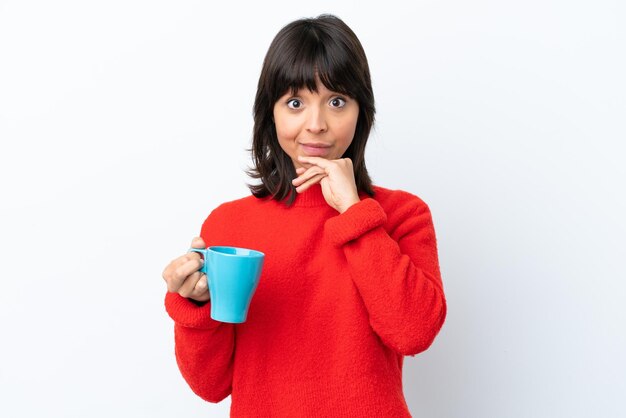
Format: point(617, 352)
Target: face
point(320, 124)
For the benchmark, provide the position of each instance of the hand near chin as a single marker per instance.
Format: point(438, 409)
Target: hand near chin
point(336, 178)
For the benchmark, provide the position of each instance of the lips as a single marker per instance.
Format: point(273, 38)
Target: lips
point(315, 149)
point(315, 144)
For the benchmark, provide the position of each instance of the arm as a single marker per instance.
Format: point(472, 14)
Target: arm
point(396, 273)
point(204, 348)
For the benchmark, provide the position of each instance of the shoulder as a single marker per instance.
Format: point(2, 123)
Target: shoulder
point(406, 213)
point(231, 209)
point(238, 206)
point(224, 221)
point(399, 201)
point(235, 205)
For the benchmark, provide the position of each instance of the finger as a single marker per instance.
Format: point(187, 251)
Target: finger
point(327, 165)
point(310, 173)
point(169, 271)
point(300, 170)
point(310, 182)
point(318, 161)
point(201, 289)
point(307, 175)
point(176, 275)
point(194, 263)
point(186, 289)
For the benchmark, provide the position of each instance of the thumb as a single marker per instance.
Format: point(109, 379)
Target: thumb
point(198, 242)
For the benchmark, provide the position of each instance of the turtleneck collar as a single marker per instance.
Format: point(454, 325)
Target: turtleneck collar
point(311, 197)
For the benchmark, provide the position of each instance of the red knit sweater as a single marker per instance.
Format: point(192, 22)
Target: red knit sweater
point(342, 298)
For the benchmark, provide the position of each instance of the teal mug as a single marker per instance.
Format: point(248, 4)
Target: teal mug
point(233, 274)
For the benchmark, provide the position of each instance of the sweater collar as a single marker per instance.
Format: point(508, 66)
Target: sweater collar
point(312, 196)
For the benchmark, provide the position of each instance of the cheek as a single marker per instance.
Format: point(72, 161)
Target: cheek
point(285, 129)
point(286, 136)
point(348, 128)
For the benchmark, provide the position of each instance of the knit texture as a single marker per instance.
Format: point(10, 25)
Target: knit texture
point(341, 300)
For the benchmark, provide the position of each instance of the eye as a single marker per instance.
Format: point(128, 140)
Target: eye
point(294, 104)
point(338, 102)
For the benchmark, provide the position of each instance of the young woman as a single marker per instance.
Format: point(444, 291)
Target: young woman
point(351, 280)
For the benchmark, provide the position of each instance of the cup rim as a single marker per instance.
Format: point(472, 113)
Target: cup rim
point(252, 253)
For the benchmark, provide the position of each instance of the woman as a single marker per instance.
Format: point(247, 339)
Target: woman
point(351, 280)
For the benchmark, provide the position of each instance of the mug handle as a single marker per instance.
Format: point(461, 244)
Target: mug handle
point(204, 268)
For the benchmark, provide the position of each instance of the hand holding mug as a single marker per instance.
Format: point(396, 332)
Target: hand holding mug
point(183, 275)
point(233, 275)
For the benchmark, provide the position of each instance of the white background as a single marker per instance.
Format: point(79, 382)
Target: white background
point(123, 123)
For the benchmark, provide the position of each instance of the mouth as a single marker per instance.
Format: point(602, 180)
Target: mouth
point(315, 149)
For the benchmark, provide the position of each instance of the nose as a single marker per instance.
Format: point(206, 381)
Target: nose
point(316, 120)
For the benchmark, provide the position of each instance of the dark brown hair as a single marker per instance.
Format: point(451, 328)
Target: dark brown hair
point(303, 51)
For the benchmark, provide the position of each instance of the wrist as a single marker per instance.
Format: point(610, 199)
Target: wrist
point(349, 205)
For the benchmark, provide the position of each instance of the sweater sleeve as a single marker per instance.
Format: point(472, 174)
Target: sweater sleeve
point(203, 346)
point(396, 272)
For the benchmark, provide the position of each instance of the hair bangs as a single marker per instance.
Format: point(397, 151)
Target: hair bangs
point(316, 59)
